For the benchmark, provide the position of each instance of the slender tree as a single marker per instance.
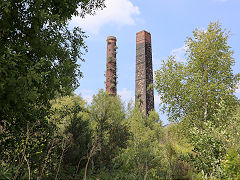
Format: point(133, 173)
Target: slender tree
point(194, 90)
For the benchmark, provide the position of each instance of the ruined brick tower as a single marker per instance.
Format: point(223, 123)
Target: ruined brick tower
point(111, 71)
point(144, 72)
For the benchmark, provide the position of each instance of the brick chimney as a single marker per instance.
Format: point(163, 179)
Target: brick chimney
point(111, 71)
point(144, 73)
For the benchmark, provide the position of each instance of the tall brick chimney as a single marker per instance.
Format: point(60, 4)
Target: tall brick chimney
point(111, 72)
point(144, 72)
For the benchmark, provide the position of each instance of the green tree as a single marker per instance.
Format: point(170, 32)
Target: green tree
point(209, 148)
point(38, 61)
point(142, 157)
point(200, 94)
point(39, 55)
point(63, 110)
point(194, 90)
point(231, 164)
point(109, 126)
point(59, 146)
point(72, 118)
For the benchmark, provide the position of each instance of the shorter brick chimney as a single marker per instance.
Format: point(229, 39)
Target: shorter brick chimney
point(111, 71)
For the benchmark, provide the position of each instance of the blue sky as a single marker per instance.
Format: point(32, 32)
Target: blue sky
point(168, 21)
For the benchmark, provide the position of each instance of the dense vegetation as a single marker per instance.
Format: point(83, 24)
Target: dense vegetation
point(47, 132)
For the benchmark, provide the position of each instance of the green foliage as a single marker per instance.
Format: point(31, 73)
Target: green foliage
point(38, 61)
point(209, 148)
point(38, 55)
point(233, 128)
point(45, 135)
point(111, 59)
point(71, 116)
point(169, 84)
point(31, 148)
point(150, 152)
point(231, 164)
point(109, 125)
point(193, 91)
point(199, 94)
point(143, 151)
point(47, 147)
point(64, 109)
point(215, 149)
point(175, 147)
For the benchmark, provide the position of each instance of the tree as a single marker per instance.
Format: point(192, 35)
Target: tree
point(38, 62)
point(142, 157)
point(72, 118)
point(39, 54)
point(215, 150)
point(231, 162)
point(209, 147)
point(194, 90)
point(109, 126)
point(200, 94)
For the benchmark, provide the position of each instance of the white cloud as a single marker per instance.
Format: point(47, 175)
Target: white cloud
point(117, 12)
point(87, 95)
point(126, 94)
point(179, 53)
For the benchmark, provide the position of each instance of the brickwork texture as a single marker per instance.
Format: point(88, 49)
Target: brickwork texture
point(111, 69)
point(144, 73)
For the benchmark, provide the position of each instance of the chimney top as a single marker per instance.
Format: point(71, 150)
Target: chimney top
point(111, 38)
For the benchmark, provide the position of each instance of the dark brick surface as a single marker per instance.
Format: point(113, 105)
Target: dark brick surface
point(144, 72)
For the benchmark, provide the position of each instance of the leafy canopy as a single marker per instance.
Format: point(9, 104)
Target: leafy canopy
point(38, 61)
point(194, 90)
point(39, 53)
